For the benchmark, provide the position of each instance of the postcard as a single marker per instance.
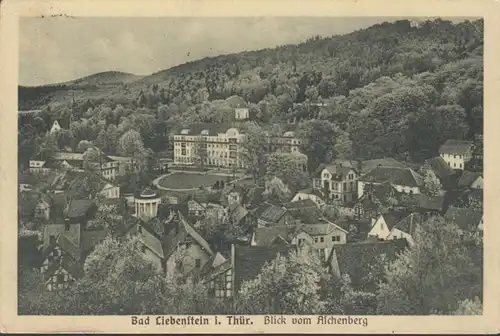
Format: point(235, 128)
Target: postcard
point(249, 167)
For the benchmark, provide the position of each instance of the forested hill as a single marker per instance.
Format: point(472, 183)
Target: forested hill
point(384, 86)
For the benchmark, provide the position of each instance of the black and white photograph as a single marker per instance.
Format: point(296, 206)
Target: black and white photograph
point(241, 166)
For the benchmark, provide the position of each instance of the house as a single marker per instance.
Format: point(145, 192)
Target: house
point(55, 127)
point(446, 175)
point(337, 182)
point(253, 197)
point(405, 229)
point(43, 165)
point(403, 180)
point(324, 236)
point(314, 195)
point(368, 206)
point(271, 215)
point(90, 182)
point(302, 204)
point(241, 113)
point(356, 259)
point(470, 180)
point(266, 236)
point(27, 181)
point(64, 250)
point(383, 224)
point(247, 262)
point(238, 215)
point(456, 153)
point(426, 204)
point(150, 244)
point(468, 220)
point(184, 248)
point(195, 208)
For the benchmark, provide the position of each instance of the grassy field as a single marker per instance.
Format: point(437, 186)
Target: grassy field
point(188, 181)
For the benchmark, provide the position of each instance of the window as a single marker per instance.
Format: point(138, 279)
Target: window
point(411, 191)
point(460, 165)
point(322, 239)
point(454, 165)
point(316, 239)
point(198, 263)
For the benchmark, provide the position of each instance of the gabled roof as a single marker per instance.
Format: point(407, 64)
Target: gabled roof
point(253, 196)
point(319, 229)
point(263, 236)
point(79, 207)
point(91, 238)
point(249, 260)
point(338, 172)
point(148, 238)
point(453, 146)
point(273, 214)
point(440, 167)
point(355, 259)
point(307, 215)
point(426, 202)
point(73, 234)
point(394, 217)
point(468, 178)
point(237, 212)
point(302, 204)
point(409, 223)
point(182, 229)
point(466, 219)
point(400, 176)
point(311, 191)
point(69, 247)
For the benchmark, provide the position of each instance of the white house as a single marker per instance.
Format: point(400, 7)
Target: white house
point(384, 223)
point(405, 229)
point(457, 153)
point(311, 194)
point(55, 127)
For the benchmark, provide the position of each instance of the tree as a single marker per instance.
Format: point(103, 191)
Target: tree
point(430, 278)
point(289, 168)
point(83, 145)
point(131, 145)
point(287, 285)
point(343, 147)
point(432, 185)
point(255, 148)
point(470, 307)
point(318, 141)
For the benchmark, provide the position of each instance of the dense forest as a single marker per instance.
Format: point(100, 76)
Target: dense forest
point(394, 89)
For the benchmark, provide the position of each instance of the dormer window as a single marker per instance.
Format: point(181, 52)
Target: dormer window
point(204, 132)
point(184, 131)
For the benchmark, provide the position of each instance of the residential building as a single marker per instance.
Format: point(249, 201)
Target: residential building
point(368, 205)
point(324, 236)
point(456, 153)
point(468, 220)
point(241, 113)
point(337, 182)
point(216, 145)
point(405, 228)
point(403, 180)
point(146, 204)
point(271, 215)
point(314, 195)
point(356, 259)
point(184, 249)
point(55, 127)
point(425, 204)
point(470, 180)
point(65, 247)
point(287, 141)
point(302, 204)
point(150, 244)
point(383, 224)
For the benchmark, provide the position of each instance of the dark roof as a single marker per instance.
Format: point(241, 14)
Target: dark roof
point(466, 219)
point(378, 191)
point(302, 204)
point(264, 236)
point(453, 146)
point(212, 128)
point(440, 167)
point(394, 217)
point(181, 229)
point(237, 212)
point(147, 194)
point(355, 259)
point(338, 172)
point(257, 212)
point(273, 214)
point(253, 196)
point(307, 215)
point(27, 178)
point(148, 238)
point(79, 207)
point(249, 260)
point(400, 176)
point(409, 223)
point(91, 238)
point(426, 202)
point(69, 247)
point(467, 178)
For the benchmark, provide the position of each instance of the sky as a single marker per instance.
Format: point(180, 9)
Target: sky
point(59, 49)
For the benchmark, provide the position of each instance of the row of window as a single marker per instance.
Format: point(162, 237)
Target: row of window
point(322, 239)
